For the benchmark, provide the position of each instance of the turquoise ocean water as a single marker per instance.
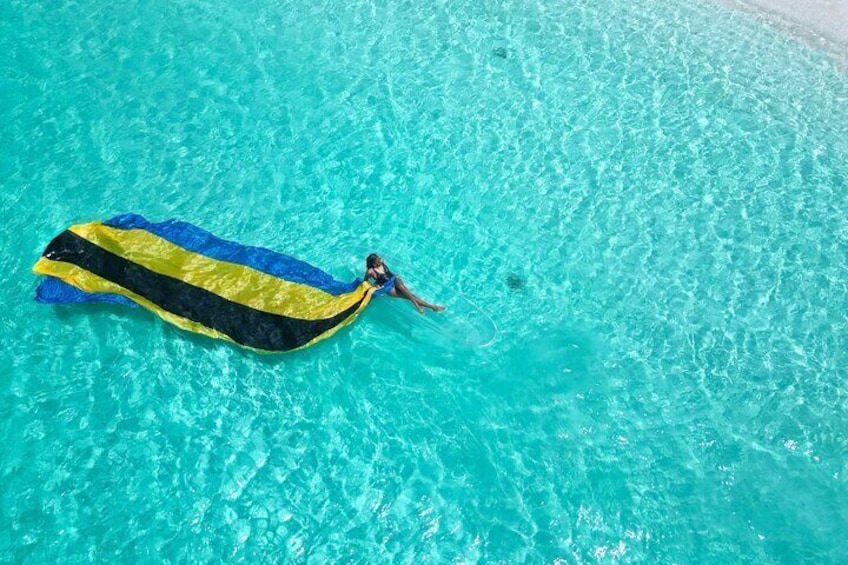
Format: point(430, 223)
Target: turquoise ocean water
point(664, 185)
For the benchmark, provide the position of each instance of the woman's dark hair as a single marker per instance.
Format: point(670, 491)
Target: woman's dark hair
point(371, 260)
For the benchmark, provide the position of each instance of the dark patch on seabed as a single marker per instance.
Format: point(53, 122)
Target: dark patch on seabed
point(515, 282)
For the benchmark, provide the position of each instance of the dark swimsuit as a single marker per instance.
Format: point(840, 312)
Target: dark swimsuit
point(383, 278)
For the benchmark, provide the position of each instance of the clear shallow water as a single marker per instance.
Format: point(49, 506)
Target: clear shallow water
point(668, 385)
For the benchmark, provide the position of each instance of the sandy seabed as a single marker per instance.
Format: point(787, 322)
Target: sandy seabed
point(820, 23)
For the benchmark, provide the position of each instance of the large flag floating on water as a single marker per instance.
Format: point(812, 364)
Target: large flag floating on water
point(251, 296)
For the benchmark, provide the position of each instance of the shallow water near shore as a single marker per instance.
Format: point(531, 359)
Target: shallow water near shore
point(634, 213)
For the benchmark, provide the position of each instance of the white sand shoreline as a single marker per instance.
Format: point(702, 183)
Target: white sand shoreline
point(822, 24)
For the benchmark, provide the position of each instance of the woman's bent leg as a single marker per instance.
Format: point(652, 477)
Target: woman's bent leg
point(404, 290)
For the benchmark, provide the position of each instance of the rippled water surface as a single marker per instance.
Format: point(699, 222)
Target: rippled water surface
point(634, 211)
